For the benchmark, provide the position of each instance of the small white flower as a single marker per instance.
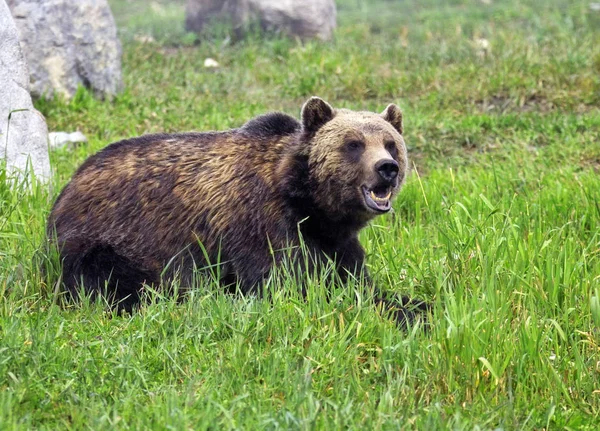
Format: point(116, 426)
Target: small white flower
point(483, 44)
point(483, 47)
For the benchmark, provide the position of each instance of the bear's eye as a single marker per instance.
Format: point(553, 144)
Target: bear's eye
point(390, 147)
point(354, 146)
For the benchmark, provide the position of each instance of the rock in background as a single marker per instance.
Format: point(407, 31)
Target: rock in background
point(23, 139)
point(69, 43)
point(305, 19)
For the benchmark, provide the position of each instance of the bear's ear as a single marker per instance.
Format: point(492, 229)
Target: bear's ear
point(393, 115)
point(315, 113)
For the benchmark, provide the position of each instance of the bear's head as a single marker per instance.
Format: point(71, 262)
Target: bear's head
point(356, 161)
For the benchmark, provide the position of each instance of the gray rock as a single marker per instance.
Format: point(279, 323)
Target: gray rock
point(305, 19)
point(23, 131)
point(68, 43)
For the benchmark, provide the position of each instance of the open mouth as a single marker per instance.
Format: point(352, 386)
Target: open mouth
point(378, 198)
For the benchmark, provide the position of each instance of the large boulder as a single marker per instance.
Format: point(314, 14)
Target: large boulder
point(304, 19)
point(69, 43)
point(23, 131)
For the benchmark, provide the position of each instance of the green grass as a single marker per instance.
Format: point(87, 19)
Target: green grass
point(498, 226)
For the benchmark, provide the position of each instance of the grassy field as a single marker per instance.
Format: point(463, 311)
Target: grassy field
point(498, 226)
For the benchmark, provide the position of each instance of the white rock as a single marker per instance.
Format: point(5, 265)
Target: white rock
point(60, 139)
point(144, 38)
point(210, 62)
point(23, 130)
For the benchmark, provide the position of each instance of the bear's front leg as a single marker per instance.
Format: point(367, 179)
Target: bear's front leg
point(405, 311)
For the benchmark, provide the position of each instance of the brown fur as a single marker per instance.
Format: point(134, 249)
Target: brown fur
point(145, 204)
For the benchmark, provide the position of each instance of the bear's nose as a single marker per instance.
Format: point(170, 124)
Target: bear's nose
point(387, 169)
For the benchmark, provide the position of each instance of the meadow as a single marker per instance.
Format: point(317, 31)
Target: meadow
point(498, 227)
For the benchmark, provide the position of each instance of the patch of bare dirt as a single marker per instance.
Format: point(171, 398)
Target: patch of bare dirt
point(502, 104)
point(591, 163)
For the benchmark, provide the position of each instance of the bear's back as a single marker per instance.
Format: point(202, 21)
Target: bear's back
point(154, 194)
point(257, 135)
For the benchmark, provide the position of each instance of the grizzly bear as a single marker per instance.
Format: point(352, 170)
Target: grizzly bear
point(156, 207)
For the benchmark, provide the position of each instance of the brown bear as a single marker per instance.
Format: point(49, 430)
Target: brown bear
point(152, 208)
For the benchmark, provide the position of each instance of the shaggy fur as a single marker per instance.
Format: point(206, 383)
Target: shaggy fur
point(155, 207)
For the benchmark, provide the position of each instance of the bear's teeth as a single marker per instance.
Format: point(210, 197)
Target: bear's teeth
point(378, 199)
